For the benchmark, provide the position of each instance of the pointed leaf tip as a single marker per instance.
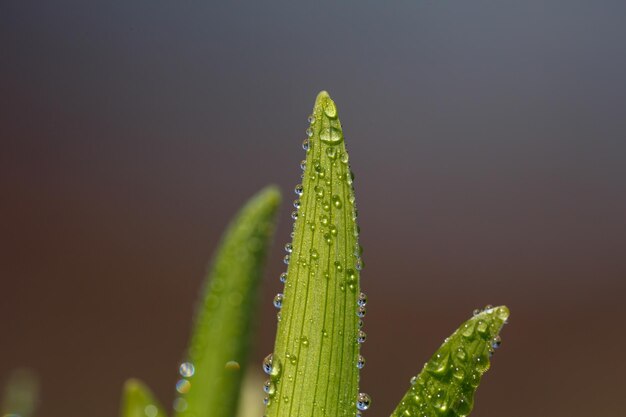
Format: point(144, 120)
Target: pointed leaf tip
point(138, 401)
point(448, 381)
point(218, 351)
point(314, 369)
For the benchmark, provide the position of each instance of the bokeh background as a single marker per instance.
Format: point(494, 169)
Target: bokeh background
point(488, 139)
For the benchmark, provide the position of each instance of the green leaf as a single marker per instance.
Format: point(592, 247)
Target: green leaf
point(138, 401)
point(448, 381)
point(313, 369)
point(20, 394)
point(218, 352)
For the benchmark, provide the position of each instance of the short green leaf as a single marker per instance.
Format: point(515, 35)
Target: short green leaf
point(448, 381)
point(211, 376)
point(138, 401)
point(21, 393)
point(313, 369)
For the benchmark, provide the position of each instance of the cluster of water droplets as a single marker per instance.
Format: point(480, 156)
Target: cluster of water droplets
point(329, 133)
point(450, 378)
point(186, 370)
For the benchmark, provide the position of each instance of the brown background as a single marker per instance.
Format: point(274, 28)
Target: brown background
point(488, 141)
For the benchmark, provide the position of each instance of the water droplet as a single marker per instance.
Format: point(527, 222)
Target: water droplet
point(344, 157)
point(183, 386)
point(299, 190)
point(271, 366)
point(283, 277)
point(232, 366)
point(314, 254)
point(361, 336)
point(186, 369)
point(359, 264)
point(288, 247)
point(360, 311)
point(333, 230)
point(337, 201)
point(439, 364)
point(468, 330)
point(360, 362)
point(305, 144)
point(338, 266)
point(180, 404)
point(460, 353)
point(331, 136)
point(503, 313)
point(330, 109)
point(150, 411)
point(360, 324)
point(413, 380)
point(488, 307)
point(309, 132)
point(269, 387)
point(476, 312)
point(458, 373)
point(305, 341)
point(278, 300)
point(496, 342)
point(324, 219)
point(363, 401)
point(362, 301)
point(482, 327)
point(331, 153)
point(286, 259)
point(311, 119)
point(292, 358)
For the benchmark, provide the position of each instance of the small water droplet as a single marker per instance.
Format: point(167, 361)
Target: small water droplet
point(311, 119)
point(296, 204)
point(232, 366)
point(309, 132)
point(360, 362)
point(299, 190)
point(186, 369)
point(331, 153)
point(305, 144)
point(283, 277)
point(361, 336)
point(305, 341)
point(362, 301)
point(337, 201)
point(360, 311)
point(344, 157)
point(363, 401)
point(183, 386)
point(150, 411)
point(180, 404)
point(496, 342)
point(288, 247)
point(314, 254)
point(286, 259)
point(278, 300)
point(413, 380)
point(476, 312)
point(359, 264)
point(269, 387)
point(266, 400)
point(482, 327)
point(268, 365)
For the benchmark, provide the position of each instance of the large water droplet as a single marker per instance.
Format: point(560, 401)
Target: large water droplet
point(269, 387)
point(278, 301)
point(299, 190)
point(331, 136)
point(186, 369)
point(330, 109)
point(268, 364)
point(180, 404)
point(363, 401)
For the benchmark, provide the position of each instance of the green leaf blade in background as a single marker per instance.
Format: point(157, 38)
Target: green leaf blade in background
point(313, 369)
point(138, 401)
point(449, 380)
point(21, 394)
point(211, 377)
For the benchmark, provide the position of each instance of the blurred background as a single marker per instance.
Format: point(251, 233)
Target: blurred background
point(488, 141)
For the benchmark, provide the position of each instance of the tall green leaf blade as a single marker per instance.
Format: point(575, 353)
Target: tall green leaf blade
point(448, 381)
point(211, 378)
point(313, 369)
point(20, 393)
point(138, 401)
